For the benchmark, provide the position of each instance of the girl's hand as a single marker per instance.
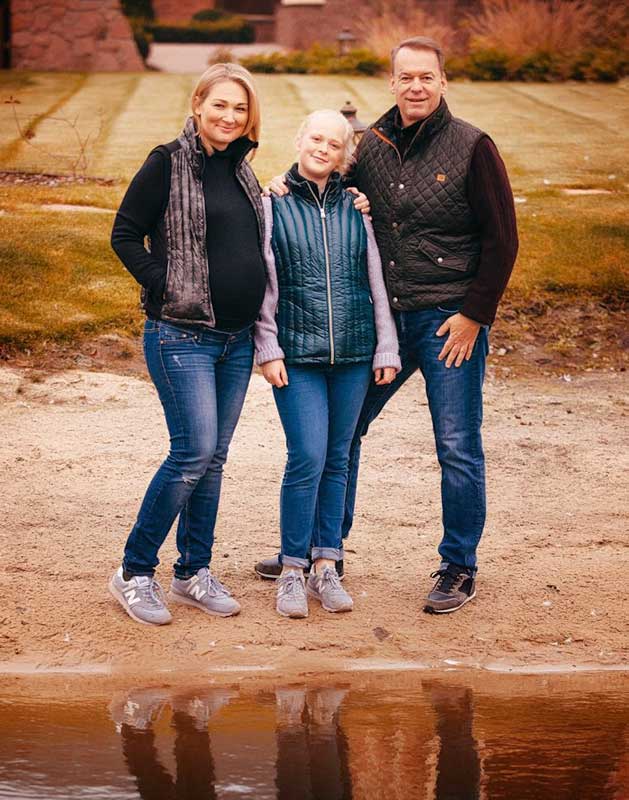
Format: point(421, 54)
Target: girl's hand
point(275, 373)
point(384, 375)
point(277, 186)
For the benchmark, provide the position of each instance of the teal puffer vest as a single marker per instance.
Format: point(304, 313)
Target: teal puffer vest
point(325, 312)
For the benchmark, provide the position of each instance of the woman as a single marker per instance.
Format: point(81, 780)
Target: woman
point(325, 325)
point(203, 281)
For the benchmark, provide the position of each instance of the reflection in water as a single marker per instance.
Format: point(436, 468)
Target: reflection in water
point(393, 738)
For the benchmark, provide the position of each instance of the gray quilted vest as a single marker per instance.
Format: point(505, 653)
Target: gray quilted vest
point(428, 237)
point(187, 298)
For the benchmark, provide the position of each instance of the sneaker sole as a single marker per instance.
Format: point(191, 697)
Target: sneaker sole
point(186, 601)
point(291, 616)
point(120, 598)
point(431, 610)
point(315, 596)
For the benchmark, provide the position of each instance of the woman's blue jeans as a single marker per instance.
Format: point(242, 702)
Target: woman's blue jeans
point(201, 377)
point(319, 410)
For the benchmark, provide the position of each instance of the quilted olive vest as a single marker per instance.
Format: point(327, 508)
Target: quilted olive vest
point(325, 313)
point(427, 235)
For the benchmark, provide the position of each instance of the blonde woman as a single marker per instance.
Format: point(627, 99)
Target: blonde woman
point(325, 331)
point(203, 282)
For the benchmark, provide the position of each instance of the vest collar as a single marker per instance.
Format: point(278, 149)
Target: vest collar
point(389, 124)
point(196, 155)
point(305, 188)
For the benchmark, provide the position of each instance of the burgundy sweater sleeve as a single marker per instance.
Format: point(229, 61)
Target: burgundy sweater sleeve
point(490, 196)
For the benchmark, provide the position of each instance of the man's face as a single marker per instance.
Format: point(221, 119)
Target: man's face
point(417, 83)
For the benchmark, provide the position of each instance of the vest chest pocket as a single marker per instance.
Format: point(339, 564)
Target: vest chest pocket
point(444, 258)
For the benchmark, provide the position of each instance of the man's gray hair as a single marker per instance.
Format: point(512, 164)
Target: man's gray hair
point(420, 43)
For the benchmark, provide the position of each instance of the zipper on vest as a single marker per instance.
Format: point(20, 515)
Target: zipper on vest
point(328, 272)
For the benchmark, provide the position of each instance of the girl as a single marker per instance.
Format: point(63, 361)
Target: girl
point(325, 326)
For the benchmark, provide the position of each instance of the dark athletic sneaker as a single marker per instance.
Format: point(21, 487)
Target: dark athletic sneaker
point(454, 588)
point(270, 569)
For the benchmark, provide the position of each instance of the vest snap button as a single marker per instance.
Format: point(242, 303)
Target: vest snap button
point(440, 260)
point(394, 225)
point(395, 299)
point(391, 263)
point(391, 185)
point(401, 186)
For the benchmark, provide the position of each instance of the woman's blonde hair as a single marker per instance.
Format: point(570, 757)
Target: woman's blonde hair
point(349, 145)
point(218, 73)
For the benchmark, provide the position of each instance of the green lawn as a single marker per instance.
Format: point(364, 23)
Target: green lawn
point(59, 279)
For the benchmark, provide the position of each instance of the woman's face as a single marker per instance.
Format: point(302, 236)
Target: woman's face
point(223, 115)
point(321, 148)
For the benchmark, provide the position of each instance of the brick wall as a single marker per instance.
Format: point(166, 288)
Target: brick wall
point(83, 35)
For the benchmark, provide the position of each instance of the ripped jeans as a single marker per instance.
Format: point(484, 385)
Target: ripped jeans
point(201, 377)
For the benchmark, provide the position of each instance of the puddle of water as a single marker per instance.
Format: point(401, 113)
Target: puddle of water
point(393, 736)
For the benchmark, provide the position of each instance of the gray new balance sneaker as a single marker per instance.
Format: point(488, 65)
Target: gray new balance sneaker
point(327, 589)
point(206, 592)
point(141, 597)
point(291, 598)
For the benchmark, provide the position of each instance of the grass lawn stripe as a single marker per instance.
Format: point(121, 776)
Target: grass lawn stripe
point(40, 95)
point(152, 114)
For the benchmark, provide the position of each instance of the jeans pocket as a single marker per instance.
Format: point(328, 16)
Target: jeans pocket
point(172, 334)
point(448, 310)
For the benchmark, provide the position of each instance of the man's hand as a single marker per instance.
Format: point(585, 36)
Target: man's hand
point(361, 203)
point(277, 186)
point(275, 373)
point(462, 333)
point(384, 375)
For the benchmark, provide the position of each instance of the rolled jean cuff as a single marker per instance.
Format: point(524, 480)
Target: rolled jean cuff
point(333, 553)
point(293, 561)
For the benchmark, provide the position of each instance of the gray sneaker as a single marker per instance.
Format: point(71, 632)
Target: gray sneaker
point(206, 592)
point(141, 597)
point(291, 598)
point(326, 587)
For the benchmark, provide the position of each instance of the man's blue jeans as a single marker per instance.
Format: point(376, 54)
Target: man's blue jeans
point(319, 410)
point(455, 400)
point(201, 378)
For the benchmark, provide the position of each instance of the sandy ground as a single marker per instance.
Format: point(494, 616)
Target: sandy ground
point(79, 447)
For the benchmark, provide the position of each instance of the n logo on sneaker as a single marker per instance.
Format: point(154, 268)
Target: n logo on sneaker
point(197, 592)
point(132, 597)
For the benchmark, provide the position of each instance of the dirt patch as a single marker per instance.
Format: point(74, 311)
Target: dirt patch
point(79, 448)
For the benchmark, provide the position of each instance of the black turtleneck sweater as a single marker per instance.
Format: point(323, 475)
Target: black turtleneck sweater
point(236, 267)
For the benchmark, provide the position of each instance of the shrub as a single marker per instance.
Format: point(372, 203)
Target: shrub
point(541, 66)
point(209, 15)
point(138, 9)
point(599, 64)
point(232, 29)
point(317, 60)
point(488, 65)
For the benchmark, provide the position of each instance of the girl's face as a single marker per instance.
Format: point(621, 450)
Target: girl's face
point(321, 148)
point(223, 115)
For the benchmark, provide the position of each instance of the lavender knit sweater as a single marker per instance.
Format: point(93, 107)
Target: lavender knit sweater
point(266, 333)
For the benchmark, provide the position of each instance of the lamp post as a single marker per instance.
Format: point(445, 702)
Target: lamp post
point(345, 39)
point(349, 112)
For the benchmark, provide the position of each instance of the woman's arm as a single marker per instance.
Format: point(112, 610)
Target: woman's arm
point(387, 349)
point(265, 332)
point(138, 214)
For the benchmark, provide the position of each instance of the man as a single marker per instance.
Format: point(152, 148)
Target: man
point(445, 224)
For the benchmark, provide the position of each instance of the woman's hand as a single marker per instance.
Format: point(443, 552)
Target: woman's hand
point(361, 203)
point(277, 186)
point(384, 375)
point(275, 373)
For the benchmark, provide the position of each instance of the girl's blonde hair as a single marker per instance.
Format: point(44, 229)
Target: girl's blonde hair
point(349, 144)
point(218, 73)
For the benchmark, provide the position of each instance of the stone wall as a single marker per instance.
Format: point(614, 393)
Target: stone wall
point(82, 35)
point(179, 10)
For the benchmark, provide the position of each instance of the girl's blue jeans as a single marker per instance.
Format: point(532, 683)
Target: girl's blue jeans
point(319, 410)
point(201, 377)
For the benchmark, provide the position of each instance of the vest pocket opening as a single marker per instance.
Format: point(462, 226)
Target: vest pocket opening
point(444, 258)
